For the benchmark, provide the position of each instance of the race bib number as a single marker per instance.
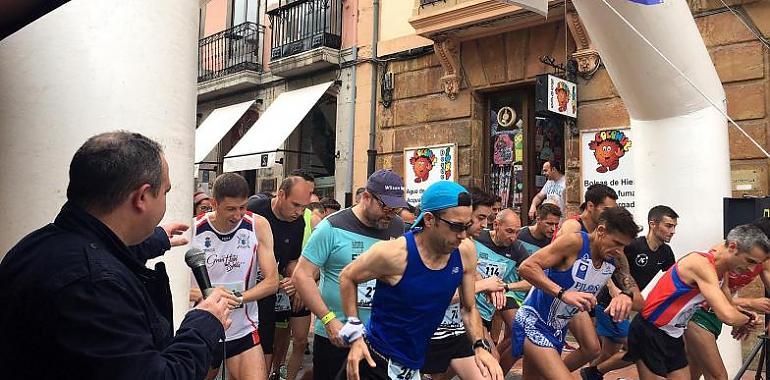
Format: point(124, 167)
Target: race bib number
point(365, 293)
point(489, 269)
point(398, 372)
point(282, 301)
point(452, 316)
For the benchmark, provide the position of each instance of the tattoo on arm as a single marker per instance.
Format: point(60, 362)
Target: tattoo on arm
point(622, 276)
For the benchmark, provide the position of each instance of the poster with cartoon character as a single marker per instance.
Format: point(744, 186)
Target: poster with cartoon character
point(607, 157)
point(562, 96)
point(426, 165)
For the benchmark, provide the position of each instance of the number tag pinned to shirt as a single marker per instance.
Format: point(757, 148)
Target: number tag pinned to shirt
point(398, 372)
point(365, 293)
point(282, 301)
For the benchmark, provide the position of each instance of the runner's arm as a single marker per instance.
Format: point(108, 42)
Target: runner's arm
point(562, 250)
point(470, 315)
point(760, 304)
point(266, 261)
point(706, 279)
point(625, 282)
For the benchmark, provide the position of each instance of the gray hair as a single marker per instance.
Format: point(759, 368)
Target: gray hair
point(748, 236)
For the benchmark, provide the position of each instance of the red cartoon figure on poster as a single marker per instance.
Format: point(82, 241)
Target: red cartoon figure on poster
point(422, 163)
point(609, 147)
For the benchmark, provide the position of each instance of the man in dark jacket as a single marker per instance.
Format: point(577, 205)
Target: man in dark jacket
point(78, 301)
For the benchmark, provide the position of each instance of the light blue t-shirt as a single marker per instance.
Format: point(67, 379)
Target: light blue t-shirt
point(490, 263)
point(335, 243)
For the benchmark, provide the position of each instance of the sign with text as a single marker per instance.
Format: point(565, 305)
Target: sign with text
point(426, 166)
point(607, 159)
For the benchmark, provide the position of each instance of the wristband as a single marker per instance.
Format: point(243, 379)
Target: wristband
point(328, 317)
point(561, 293)
point(506, 287)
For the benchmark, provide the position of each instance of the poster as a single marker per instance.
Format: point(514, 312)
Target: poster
point(607, 158)
point(427, 165)
point(562, 96)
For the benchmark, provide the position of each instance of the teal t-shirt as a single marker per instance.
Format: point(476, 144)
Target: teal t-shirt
point(489, 264)
point(336, 242)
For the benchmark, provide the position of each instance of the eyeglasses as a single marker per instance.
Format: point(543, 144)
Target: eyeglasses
point(206, 208)
point(455, 226)
point(386, 209)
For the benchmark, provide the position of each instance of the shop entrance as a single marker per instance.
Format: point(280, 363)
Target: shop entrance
point(519, 144)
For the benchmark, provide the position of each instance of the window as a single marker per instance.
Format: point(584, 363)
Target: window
point(244, 10)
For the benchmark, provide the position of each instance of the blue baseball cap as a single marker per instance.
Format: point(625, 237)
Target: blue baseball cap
point(387, 186)
point(442, 195)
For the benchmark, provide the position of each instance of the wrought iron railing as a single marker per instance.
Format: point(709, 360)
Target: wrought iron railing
point(230, 51)
point(302, 25)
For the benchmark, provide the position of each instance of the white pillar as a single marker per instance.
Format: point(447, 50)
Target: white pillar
point(88, 67)
point(682, 156)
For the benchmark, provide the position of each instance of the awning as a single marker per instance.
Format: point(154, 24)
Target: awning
point(215, 127)
point(255, 150)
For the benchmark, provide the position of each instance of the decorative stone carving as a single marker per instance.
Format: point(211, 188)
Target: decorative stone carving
point(586, 56)
point(448, 53)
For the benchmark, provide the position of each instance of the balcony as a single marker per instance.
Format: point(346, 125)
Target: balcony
point(465, 19)
point(230, 60)
point(230, 51)
point(306, 36)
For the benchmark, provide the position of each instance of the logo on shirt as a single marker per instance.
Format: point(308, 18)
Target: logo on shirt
point(357, 246)
point(582, 270)
point(243, 240)
point(642, 260)
point(455, 270)
point(207, 242)
point(229, 261)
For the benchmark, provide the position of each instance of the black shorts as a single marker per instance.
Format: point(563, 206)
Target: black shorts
point(234, 347)
point(442, 351)
point(267, 323)
point(282, 317)
point(328, 359)
point(661, 353)
point(380, 372)
point(510, 303)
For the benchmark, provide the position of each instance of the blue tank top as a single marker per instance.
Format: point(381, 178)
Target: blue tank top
point(581, 277)
point(405, 316)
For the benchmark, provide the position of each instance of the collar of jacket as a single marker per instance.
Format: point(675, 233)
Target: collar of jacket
point(77, 220)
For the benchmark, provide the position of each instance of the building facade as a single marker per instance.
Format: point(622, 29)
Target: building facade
point(486, 62)
point(274, 91)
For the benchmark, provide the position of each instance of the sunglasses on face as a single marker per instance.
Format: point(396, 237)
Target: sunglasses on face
point(386, 209)
point(455, 226)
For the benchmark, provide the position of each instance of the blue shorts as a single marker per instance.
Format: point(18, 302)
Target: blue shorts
point(527, 325)
point(606, 327)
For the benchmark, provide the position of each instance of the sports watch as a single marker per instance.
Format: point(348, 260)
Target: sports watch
point(483, 343)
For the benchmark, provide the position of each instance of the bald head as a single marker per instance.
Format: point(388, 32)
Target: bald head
point(506, 227)
point(507, 216)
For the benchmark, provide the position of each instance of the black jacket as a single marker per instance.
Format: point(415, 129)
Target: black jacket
point(76, 303)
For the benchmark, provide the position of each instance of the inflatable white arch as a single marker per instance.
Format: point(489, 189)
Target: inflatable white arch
point(682, 156)
point(88, 67)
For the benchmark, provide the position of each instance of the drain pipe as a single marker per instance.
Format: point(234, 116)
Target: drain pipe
point(372, 151)
point(352, 121)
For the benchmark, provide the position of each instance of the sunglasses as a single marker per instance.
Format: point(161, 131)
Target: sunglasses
point(386, 209)
point(454, 226)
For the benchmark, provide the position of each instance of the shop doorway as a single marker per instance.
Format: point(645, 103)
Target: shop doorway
point(519, 143)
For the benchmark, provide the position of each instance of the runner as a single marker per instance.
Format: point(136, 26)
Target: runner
point(655, 340)
point(578, 266)
point(704, 326)
point(416, 278)
point(337, 241)
point(598, 198)
point(238, 244)
point(449, 344)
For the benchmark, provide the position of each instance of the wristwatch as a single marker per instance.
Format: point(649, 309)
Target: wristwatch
point(239, 296)
point(483, 343)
